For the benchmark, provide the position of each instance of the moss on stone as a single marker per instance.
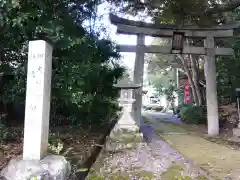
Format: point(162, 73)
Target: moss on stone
point(123, 141)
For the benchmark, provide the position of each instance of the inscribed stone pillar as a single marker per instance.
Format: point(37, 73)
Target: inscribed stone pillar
point(138, 78)
point(37, 107)
point(211, 88)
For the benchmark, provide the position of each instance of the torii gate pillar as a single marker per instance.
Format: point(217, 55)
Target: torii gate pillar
point(138, 78)
point(211, 87)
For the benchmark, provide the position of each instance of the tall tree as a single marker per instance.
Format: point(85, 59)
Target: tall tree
point(85, 66)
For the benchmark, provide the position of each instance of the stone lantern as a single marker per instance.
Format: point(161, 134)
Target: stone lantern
point(126, 133)
point(126, 87)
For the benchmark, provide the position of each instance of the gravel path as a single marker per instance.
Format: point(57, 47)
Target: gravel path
point(154, 156)
point(165, 155)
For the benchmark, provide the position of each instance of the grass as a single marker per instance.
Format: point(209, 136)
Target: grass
point(173, 172)
point(176, 172)
point(220, 160)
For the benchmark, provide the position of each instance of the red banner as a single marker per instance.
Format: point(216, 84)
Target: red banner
point(187, 97)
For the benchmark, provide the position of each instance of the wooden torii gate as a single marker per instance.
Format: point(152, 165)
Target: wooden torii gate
point(141, 29)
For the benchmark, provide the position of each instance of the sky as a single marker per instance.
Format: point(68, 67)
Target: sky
point(127, 58)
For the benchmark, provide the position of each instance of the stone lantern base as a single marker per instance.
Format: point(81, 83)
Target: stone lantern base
point(125, 134)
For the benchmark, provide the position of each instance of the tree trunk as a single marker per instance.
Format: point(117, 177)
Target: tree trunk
point(195, 78)
point(190, 80)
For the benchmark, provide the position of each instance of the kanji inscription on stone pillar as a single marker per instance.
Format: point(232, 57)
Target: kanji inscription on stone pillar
point(37, 106)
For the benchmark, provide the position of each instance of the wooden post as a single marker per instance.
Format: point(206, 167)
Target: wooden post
point(211, 87)
point(138, 78)
point(37, 108)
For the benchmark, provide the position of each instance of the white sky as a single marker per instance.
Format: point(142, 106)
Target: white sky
point(127, 58)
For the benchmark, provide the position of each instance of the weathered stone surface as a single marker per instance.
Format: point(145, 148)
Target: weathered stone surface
point(58, 167)
point(52, 167)
point(236, 132)
point(37, 106)
point(125, 134)
point(126, 122)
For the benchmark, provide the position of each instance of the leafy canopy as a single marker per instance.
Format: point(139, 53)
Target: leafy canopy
point(85, 67)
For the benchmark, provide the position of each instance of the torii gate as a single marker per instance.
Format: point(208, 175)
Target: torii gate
point(141, 29)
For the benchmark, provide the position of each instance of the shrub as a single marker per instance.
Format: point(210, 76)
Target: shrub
point(192, 114)
point(178, 108)
point(4, 133)
point(55, 144)
point(183, 105)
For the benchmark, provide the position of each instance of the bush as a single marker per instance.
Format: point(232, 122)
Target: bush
point(192, 114)
point(4, 133)
point(183, 105)
point(180, 106)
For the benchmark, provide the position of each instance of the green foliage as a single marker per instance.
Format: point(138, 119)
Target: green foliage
point(180, 106)
point(170, 93)
point(228, 76)
point(4, 133)
point(55, 144)
point(192, 114)
point(84, 66)
point(34, 178)
point(161, 80)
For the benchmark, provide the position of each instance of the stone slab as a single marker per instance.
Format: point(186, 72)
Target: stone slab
point(52, 167)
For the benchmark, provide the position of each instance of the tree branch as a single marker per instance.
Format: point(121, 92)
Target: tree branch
point(219, 8)
point(230, 5)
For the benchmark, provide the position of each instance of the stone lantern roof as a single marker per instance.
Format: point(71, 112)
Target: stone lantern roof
point(126, 83)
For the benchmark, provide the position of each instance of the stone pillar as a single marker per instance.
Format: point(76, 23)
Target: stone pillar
point(37, 107)
point(138, 78)
point(211, 88)
point(35, 164)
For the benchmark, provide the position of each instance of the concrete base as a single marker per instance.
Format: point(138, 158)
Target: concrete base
point(236, 132)
point(52, 167)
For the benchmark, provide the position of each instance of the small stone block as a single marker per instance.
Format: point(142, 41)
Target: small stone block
point(52, 167)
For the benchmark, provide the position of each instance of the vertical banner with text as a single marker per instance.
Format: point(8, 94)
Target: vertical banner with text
point(187, 97)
